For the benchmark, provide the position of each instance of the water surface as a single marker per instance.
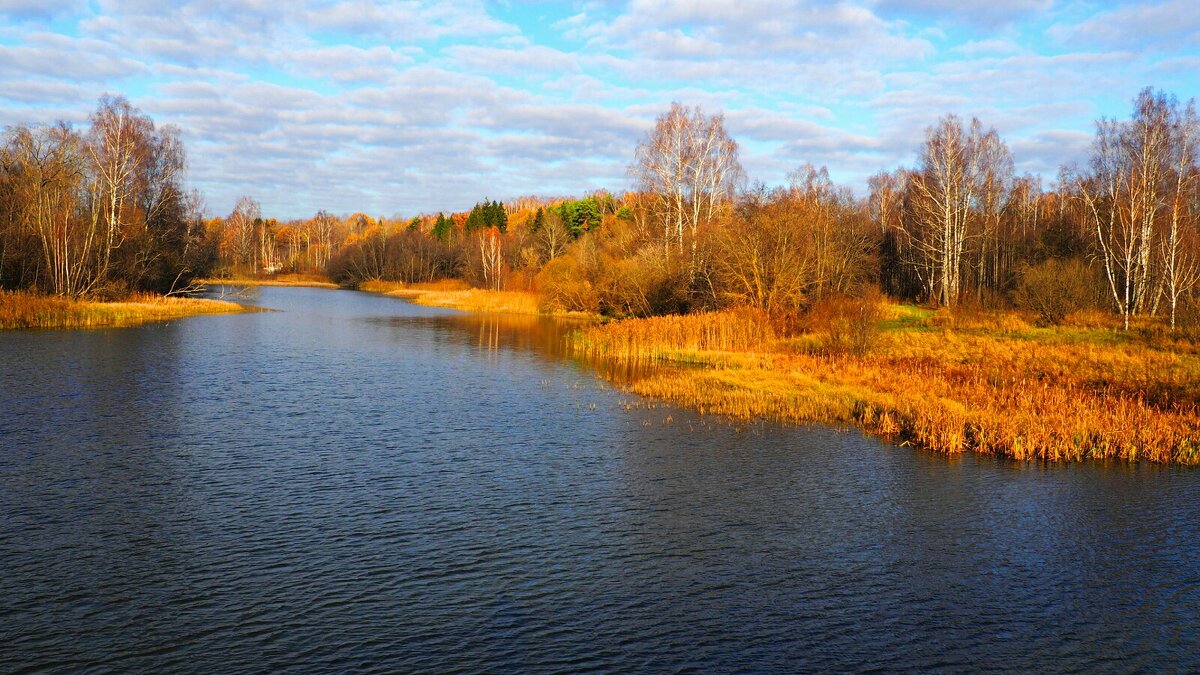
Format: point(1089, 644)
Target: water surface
point(355, 482)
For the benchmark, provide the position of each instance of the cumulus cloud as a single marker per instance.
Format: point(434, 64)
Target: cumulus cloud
point(1156, 26)
point(713, 30)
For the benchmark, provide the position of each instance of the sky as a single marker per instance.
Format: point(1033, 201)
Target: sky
point(399, 108)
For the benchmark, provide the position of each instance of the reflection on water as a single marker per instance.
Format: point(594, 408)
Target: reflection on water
point(546, 337)
point(355, 482)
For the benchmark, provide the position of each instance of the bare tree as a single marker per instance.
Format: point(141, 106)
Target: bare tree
point(490, 257)
point(243, 221)
point(552, 236)
point(765, 257)
point(1125, 192)
point(323, 226)
point(1180, 258)
point(958, 166)
point(119, 145)
point(50, 182)
point(690, 164)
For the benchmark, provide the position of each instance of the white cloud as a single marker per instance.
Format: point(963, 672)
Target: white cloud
point(23, 10)
point(418, 106)
point(992, 13)
point(1154, 26)
point(532, 61)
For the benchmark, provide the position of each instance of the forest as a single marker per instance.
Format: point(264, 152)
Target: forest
point(99, 213)
point(1120, 234)
point(957, 305)
point(104, 212)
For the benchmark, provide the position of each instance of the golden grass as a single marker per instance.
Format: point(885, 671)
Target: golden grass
point(994, 387)
point(28, 310)
point(687, 338)
point(314, 280)
point(456, 294)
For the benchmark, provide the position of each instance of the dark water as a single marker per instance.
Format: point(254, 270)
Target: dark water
point(360, 483)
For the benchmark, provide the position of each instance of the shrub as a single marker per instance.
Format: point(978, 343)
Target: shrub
point(1055, 288)
point(848, 325)
point(644, 285)
point(566, 284)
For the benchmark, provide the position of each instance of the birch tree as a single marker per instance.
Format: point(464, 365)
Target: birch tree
point(1126, 192)
point(1178, 247)
point(690, 166)
point(944, 202)
point(242, 222)
point(120, 148)
point(49, 179)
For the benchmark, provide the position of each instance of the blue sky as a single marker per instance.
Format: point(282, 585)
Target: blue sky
point(407, 107)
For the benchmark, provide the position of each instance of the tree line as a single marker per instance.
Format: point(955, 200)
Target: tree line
point(99, 212)
point(1121, 232)
point(83, 213)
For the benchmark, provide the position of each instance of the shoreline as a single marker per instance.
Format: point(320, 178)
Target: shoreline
point(1031, 394)
point(27, 311)
point(312, 281)
point(466, 299)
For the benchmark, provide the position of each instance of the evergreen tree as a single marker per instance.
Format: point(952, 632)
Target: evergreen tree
point(443, 228)
point(476, 219)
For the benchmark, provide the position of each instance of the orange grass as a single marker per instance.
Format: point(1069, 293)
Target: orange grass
point(688, 338)
point(456, 294)
point(28, 310)
point(314, 280)
point(1033, 394)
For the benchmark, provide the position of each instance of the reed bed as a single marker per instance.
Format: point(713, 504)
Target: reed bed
point(456, 294)
point(1032, 395)
point(28, 310)
point(311, 280)
point(479, 300)
point(474, 300)
point(689, 338)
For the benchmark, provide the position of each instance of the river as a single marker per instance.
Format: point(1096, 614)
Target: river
point(354, 482)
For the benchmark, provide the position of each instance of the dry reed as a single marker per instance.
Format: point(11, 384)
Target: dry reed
point(27, 310)
point(688, 338)
point(1037, 394)
point(456, 294)
point(298, 279)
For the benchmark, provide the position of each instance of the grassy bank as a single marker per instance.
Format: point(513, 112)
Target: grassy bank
point(993, 385)
point(28, 310)
point(313, 280)
point(455, 294)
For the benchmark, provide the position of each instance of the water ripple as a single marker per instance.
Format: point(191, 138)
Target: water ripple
point(354, 484)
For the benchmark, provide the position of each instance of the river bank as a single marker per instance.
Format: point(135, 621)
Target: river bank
point(998, 386)
point(308, 280)
point(29, 310)
point(455, 294)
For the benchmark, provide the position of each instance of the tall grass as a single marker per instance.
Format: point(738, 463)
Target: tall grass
point(1059, 397)
point(686, 338)
point(456, 294)
point(479, 300)
point(27, 310)
point(289, 279)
